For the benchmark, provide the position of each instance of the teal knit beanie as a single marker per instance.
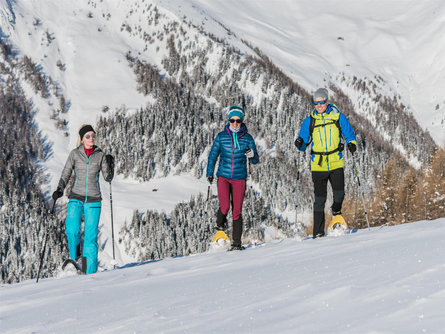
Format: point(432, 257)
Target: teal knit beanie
point(236, 111)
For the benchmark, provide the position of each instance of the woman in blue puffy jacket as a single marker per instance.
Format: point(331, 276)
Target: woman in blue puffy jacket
point(233, 146)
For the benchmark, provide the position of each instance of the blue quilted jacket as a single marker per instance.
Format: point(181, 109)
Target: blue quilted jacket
point(232, 157)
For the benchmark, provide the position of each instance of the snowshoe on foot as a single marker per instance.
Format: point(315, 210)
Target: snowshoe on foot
point(220, 242)
point(221, 225)
point(220, 234)
point(70, 266)
point(337, 226)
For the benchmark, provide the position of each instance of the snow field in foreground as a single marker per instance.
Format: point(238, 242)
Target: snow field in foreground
point(389, 280)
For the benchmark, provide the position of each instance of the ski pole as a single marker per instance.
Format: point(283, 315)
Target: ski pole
point(207, 204)
point(251, 197)
point(361, 189)
point(296, 194)
point(112, 226)
point(42, 255)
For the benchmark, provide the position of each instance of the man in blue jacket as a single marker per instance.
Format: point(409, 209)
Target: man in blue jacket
point(324, 129)
point(233, 146)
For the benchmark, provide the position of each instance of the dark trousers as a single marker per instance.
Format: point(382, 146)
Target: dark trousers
point(337, 179)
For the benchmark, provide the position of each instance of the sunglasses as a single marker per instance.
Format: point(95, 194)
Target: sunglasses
point(235, 120)
point(92, 136)
point(319, 102)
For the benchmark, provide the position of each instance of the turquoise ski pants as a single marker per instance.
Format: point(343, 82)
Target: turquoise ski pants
point(91, 211)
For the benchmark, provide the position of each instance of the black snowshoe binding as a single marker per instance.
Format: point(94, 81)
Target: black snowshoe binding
point(237, 247)
point(79, 264)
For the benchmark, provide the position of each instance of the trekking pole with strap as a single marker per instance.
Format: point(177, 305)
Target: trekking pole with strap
point(44, 244)
point(296, 194)
point(112, 226)
point(360, 189)
point(209, 196)
point(251, 196)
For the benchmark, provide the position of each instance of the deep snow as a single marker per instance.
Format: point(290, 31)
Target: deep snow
point(386, 280)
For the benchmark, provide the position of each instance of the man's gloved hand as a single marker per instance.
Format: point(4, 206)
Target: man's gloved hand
point(299, 142)
point(210, 179)
point(57, 194)
point(352, 147)
point(249, 152)
point(109, 159)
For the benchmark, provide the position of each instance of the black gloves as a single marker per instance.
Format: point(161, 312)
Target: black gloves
point(299, 142)
point(57, 194)
point(352, 147)
point(110, 162)
point(210, 179)
point(249, 152)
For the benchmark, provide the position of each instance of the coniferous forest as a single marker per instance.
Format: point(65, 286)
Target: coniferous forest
point(24, 215)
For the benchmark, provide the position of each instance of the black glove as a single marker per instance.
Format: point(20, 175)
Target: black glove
point(57, 194)
point(249, 152)
point(299, 142)
point(210, 179)
point(352, 147)
point(109, 159)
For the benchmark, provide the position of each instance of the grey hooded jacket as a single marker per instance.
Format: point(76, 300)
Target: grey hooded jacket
point(86, 185)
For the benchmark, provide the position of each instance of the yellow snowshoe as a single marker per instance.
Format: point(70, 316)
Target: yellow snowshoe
point(337, 226)
point(220, 242)
point(220, 235)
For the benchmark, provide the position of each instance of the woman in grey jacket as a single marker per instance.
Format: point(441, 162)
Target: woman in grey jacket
point(86, 161)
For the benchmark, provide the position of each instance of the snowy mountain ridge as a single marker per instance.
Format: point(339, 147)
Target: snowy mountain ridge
point(87, 55)
point(315, 42)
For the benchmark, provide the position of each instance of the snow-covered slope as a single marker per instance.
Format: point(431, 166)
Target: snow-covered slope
point(315, 41)
point(387, 280)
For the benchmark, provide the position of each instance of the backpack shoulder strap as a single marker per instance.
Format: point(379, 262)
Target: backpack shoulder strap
point(311, 127)
point(337, 123)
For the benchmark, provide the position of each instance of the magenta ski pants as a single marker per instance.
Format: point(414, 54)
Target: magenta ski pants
point(236, 188)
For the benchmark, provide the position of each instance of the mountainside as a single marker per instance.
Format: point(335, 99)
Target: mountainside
point(389, 280)
point(155, 79)
point(394, 45)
